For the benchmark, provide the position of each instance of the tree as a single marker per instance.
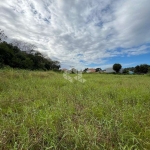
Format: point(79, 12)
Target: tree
point(55, 65)
point(143, 68)
point(117, 67)
point(23, 55)
point(73, 71)
point(85, 70)
point(12, 56)
point(1, 62)
point(2, 36)
point(98, 69)
point(149, 69)
point(137, 69)
point(125, 71)
point(24, 46)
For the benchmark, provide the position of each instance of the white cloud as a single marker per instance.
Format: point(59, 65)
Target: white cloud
point(94, 29)
point(132, 23)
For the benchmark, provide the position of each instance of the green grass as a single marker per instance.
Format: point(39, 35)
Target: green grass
point(42, 111)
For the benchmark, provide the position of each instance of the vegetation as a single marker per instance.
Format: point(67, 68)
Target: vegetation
point(127, 70)
point(143, 68)
point(2, 35)
point(22, 55)
point(98, 69)
point(85, 70)
point(42, 110)
point(117, 67)
point(12, 56)
point(139, 69)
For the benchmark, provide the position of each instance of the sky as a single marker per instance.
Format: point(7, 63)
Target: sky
point(82, 33)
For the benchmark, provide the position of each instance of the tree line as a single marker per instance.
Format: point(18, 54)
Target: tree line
point(19, 54)
point(139, 69)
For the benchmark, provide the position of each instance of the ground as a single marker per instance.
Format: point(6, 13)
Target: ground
point(42, 110)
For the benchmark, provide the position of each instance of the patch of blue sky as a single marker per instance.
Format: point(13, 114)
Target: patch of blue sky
point(92, 65)
point(130, 61)
point(82, 61)
point(99, 24)
point(79, 55)
point(143, 44)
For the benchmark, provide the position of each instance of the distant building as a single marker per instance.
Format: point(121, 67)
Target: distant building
point(64, 69)
point(110, 70)
point(90, 70)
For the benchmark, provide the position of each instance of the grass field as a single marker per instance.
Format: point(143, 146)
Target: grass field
point(42, 111)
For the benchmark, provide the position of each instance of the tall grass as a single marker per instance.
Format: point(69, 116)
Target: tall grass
point(42, 110)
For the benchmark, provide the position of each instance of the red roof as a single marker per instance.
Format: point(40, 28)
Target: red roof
point(91, 70)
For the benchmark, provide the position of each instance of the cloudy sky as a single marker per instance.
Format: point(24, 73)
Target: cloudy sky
point(82, 33)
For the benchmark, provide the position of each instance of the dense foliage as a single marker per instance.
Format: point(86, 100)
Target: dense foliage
point(12, 56)
point(139, 69)
point(98, 69)
point(117, 67)
point(85, 70)
point(22, 55)
point(143, 68)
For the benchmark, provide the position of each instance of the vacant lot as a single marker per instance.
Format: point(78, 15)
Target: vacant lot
point(42, 110)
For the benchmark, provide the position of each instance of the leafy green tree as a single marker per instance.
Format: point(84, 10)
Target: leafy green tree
point(149, 69)
point(1, 62)
point(27, 63)
point(143, 68)
point(125, 71)
point(73, 71)
point(55, 65)
point(137, 69)
point(48, 66)
point(85, 70)
point(22, 55)
point(6, 53)
point(117, 67)
point(98, 69)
